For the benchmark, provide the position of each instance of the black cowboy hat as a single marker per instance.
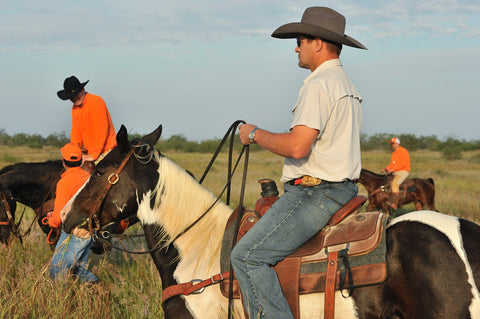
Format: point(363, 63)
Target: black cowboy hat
point(71, 88)
point(321, 22)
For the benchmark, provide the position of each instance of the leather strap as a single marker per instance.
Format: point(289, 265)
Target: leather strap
point(288, 271)
point(191, 287)
point(329, 305)
point(354, 204)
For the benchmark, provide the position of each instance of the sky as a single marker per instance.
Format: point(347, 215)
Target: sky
point(197, 66)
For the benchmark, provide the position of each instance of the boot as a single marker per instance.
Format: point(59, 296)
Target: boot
point(394, 202)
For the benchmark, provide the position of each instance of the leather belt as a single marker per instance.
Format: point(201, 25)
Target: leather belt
point(305, 180)
point(309, 181)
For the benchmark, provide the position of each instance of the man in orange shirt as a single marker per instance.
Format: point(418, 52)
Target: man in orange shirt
point(92, 126)
point(71, 253)
point(400, 167)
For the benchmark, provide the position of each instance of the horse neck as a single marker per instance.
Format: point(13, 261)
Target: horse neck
point(179, 202)
point(372, 180)
point(30, 183)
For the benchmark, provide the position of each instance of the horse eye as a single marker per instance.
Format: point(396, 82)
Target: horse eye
point(99, 172)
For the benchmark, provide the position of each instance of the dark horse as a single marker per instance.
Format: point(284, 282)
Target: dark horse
point(433, 259)
point(32, 184)
point(419, 191)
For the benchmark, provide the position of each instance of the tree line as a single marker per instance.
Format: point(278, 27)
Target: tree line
point(451, 148)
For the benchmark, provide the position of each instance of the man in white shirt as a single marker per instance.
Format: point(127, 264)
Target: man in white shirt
point(322, 158)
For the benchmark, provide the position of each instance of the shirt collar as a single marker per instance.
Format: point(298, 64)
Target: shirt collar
point(322, 67)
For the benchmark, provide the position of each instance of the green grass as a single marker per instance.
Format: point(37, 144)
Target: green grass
point(130, 285)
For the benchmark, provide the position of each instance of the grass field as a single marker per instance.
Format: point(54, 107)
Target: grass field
point(130, 286)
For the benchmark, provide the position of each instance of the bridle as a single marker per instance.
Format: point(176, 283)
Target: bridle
point(10, 220)
point(93, 220)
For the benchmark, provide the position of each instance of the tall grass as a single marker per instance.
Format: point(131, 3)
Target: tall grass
point(130, 285)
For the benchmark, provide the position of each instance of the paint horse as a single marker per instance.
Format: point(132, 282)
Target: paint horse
point(419, 191)
point(32, 184)
point(433, 259)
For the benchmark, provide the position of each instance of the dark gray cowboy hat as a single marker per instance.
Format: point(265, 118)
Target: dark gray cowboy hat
point(321, 22)
point(71, 88)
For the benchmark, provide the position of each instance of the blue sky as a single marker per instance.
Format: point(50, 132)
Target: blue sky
point(197, 66)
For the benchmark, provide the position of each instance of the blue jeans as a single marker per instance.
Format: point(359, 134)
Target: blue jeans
point(296, 216)
point(71, 255)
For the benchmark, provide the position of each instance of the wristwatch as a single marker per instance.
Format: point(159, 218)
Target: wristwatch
point(251, 136)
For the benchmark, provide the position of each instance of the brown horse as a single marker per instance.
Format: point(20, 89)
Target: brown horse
point(419, 191)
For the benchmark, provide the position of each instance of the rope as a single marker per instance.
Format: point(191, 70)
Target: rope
point(231, 171)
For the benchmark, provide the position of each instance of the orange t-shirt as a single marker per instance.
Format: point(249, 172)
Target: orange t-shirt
point(70, 182)
point(400, 160)
point(92, 126)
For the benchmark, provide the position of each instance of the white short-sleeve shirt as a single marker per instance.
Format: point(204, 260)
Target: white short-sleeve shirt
point(328, 102)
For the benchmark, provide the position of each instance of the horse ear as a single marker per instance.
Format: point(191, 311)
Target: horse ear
point(122, 139)
point(153, 137)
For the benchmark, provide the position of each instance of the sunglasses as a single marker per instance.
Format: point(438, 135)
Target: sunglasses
point(299, 41)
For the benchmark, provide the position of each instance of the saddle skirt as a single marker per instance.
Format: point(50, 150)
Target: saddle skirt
point(360, 234)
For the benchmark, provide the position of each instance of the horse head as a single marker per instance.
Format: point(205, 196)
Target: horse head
point(114, 192)
point(371, 180)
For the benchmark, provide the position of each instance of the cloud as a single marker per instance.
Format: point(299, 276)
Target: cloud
point(32, 23)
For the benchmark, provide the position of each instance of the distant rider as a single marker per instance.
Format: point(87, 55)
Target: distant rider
point(400, 167)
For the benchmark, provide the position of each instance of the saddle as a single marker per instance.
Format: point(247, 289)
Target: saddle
point(407, 186)
point(352, 242)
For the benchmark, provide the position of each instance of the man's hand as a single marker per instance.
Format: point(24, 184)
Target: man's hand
point(244, 130)
point(81, 233)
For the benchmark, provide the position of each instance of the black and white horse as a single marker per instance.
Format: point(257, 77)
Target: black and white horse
point(433, 259)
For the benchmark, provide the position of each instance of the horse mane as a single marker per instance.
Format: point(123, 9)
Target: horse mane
point(179, 201)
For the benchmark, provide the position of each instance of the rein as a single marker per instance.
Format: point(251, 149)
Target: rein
point(10, 220)
point(231, 170)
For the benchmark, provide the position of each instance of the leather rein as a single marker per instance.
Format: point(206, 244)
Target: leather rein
point(10, 221)
point(94, 223)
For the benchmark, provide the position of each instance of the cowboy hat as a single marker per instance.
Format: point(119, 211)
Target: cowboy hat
point(71, 88)
point(321, 22)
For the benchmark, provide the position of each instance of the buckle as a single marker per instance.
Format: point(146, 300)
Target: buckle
point(306, 181)
point(198, 291)
point(212, 279)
